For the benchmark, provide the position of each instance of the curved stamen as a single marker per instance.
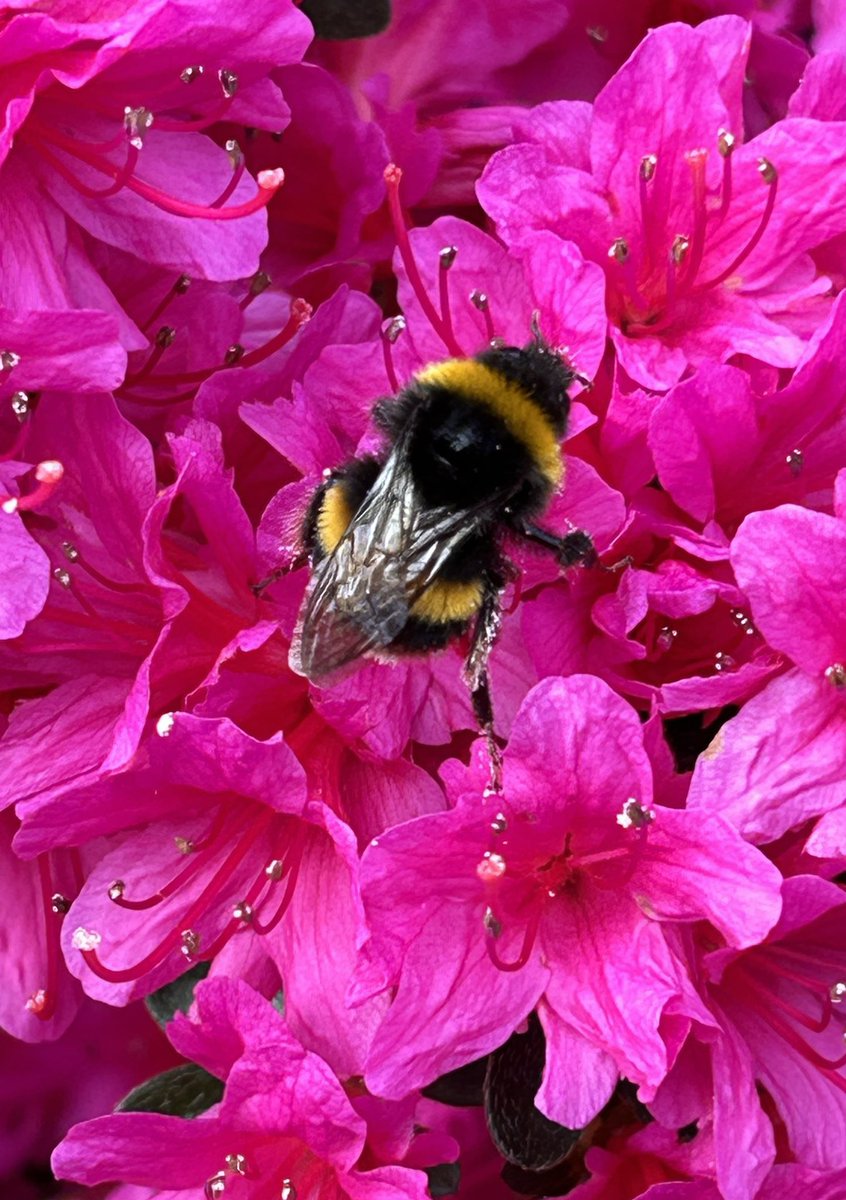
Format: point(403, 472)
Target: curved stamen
point(172, 940)
point(179, 289)
point(393, 175)
point(481, 303)
point(445, 260)
point(268, 182)
point(42, 1003)
point(48, 475)
point(770, 176)
point(529, 938)
point(203, 852)
point(239, 165)
point(725, 146)
point(391, 330)
point(696, 160)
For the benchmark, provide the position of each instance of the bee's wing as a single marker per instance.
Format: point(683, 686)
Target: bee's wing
point(361, 595)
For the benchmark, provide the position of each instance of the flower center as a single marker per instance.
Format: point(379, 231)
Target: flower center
point(649, 288)
point(519, 882)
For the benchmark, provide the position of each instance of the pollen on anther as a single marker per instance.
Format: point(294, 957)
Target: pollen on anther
point(183, 844)
point(216, 1186)
point(117, 889)
point(61, 576)
point(49, 471)
point(767, 171)
point(393, 329)
point(795, 461)
point(85, 939)
point(634, 815)
point(836, 675)
point(479, 299)
point(271, 179)
point(837, 992)
point(21, 403)
point(233, 149)
point(236, 1163)
point(8, 360)
point(70, 551)
point(164, 336)
point(137, 121)
point(447, 257)
point(619, 250)
point(500, 823)
point(165, 724)
point(228, 82)
point(288, 1192)
point(243, 911)
point(680, 247)
point(274, 869)
point(725, 143)
point(491, 924)
point(647, 166)
point(597, 33)
point(234, 354)
point(190, 74)
point(59, 904)
point(37, 1002)
point(490, 867)
point(190, 942)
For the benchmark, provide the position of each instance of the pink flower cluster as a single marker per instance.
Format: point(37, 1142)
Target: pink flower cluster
point(221, 242)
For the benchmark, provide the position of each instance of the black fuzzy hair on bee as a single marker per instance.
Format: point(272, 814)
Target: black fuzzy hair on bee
point(407, 548)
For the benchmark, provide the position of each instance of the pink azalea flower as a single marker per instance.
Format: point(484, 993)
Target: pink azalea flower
point(498, 895)
point(120, 637)
point(285, 1125)
point(777, 1006)
point(229, 865)
point(722, 449)
point(108, 116)
point(704, 240)
point(766, 771)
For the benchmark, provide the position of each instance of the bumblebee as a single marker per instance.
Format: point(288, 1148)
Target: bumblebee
point(407, 548)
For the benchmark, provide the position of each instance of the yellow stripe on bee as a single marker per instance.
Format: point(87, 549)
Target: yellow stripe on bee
point(333, 518)
point(523, 418)
point(444, 601)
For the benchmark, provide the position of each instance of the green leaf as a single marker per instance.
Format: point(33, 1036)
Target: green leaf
point(175, 997)
point(185, 1091)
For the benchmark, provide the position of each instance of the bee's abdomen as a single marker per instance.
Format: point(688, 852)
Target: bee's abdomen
point(335, 504)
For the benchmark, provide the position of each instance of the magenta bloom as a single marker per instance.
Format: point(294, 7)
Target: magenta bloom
point(768, 771)
point(552, 896)
point(285, 1126)
point(777, 1022)
point(704, 239)
point(103, 138)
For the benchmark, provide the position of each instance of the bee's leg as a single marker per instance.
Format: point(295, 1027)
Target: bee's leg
point(485, 634)
point(280, 573)
point(573, 549)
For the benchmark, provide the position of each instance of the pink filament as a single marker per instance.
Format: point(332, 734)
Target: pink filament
point(201, 854)
point(393, 175)
point(268, 181)
point(529, 938)
point(171, 940)
point(51, 941)
point(772, 189)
